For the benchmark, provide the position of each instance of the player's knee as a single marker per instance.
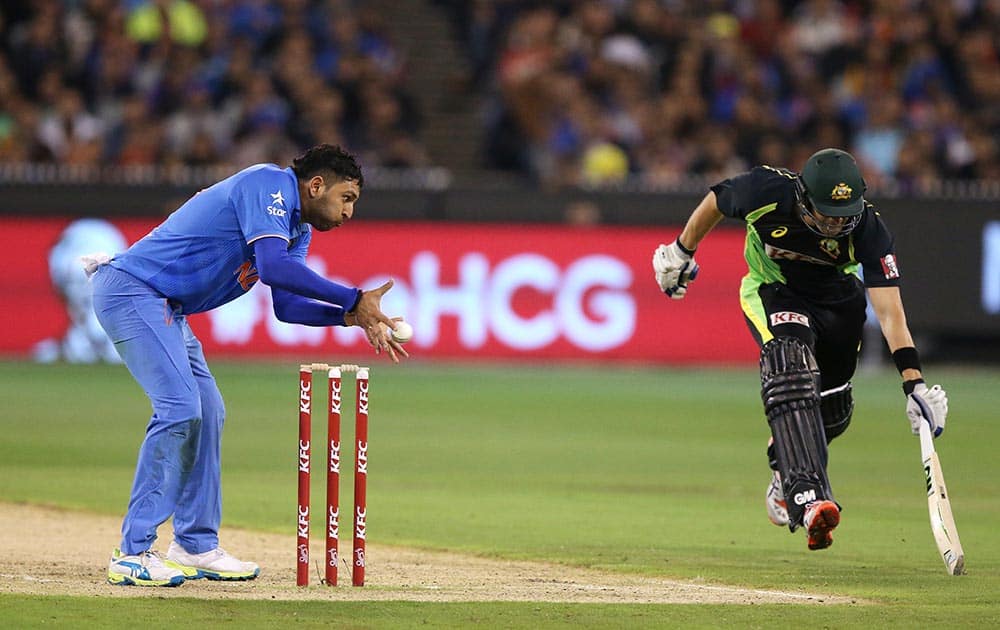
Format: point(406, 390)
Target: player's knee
point(180, 411)
point(213, 408)
point(216, 415)
point(789, 375)
point(837, 407)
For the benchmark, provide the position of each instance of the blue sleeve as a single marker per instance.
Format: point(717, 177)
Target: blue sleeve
point(277, 269)
point(300, 246)
point(296, 309)
point(262, 203)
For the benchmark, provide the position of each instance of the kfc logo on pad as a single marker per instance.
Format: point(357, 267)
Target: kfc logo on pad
point(889, 267)
point(788, 317)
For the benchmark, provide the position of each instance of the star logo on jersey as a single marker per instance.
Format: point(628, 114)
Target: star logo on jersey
point(277, 205)
point(830, 246)
point(841, 192)
point(779, 232)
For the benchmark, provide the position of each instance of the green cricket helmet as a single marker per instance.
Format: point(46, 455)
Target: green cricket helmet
point(831, 193)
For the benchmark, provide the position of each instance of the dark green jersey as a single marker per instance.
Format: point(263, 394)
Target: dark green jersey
point(780, 248)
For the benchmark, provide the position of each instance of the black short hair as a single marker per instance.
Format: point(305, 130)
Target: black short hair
point(328, 158)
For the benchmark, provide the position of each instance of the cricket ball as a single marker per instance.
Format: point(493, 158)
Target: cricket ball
point(402, 333)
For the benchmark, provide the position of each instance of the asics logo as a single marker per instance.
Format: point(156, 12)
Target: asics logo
point(779, 232)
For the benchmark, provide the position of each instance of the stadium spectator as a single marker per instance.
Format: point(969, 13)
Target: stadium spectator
point(654, 78)
point(126, 143)
point(686, 86)
point(68, 131)
point(180, 21)
point(198, 82)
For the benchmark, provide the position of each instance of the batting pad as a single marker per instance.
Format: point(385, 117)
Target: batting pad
point(790, 391)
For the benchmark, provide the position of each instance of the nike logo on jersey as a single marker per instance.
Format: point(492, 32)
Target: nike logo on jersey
point(247, 275)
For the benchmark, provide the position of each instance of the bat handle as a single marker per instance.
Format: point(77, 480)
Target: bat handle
point(926, 440)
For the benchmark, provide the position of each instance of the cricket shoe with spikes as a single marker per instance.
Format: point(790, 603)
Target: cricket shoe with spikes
point(821, 518)
point(777, 509)
point(144, 569)
point(215, 564)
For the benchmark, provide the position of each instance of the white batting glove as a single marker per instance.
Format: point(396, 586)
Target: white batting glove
point(927, 404)
point(674, 269)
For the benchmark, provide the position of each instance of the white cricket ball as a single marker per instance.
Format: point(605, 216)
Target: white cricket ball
point(402, 333)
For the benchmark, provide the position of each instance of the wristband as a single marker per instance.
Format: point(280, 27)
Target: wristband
point(357, 301)
point(906, 359)
point(680, 246)
point(909, 386)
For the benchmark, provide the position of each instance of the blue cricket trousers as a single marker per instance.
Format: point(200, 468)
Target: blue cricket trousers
point(179, 467)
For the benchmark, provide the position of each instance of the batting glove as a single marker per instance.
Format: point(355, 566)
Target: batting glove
point(927, 404)
point(674, 267)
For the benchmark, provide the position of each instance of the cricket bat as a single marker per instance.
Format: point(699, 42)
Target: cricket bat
point(939, 506)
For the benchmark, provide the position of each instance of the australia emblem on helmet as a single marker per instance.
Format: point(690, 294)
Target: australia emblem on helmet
point(841, 192)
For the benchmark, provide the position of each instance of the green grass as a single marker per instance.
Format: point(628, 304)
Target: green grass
point(65, 612)
point(650, 471)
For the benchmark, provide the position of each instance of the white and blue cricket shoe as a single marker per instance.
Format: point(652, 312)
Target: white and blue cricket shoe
point(144, 569)
point(216, 564)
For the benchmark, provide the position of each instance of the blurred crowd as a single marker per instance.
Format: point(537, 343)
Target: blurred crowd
point(576, 91)
point(200, 82)
point(589, 91)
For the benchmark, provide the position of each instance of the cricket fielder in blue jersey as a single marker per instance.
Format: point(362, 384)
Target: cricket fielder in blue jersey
point(255, 225)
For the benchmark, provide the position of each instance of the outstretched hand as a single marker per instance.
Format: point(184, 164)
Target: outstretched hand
point(369, 317)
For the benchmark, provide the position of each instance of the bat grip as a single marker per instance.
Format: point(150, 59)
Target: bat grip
point(926, 439)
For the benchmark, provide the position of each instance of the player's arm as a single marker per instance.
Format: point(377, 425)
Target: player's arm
point(930, 403)
point(888, 307)
point(295, 309)
point(704, 218)
point(279, 270)
point(673, 265)
point(302, 296)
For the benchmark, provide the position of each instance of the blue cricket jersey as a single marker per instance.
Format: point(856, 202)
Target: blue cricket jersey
point(202, 255)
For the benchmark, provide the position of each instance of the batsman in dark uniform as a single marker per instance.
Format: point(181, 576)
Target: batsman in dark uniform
point(811, 237)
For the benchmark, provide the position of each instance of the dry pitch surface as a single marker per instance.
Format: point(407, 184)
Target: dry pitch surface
point(78, 546)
